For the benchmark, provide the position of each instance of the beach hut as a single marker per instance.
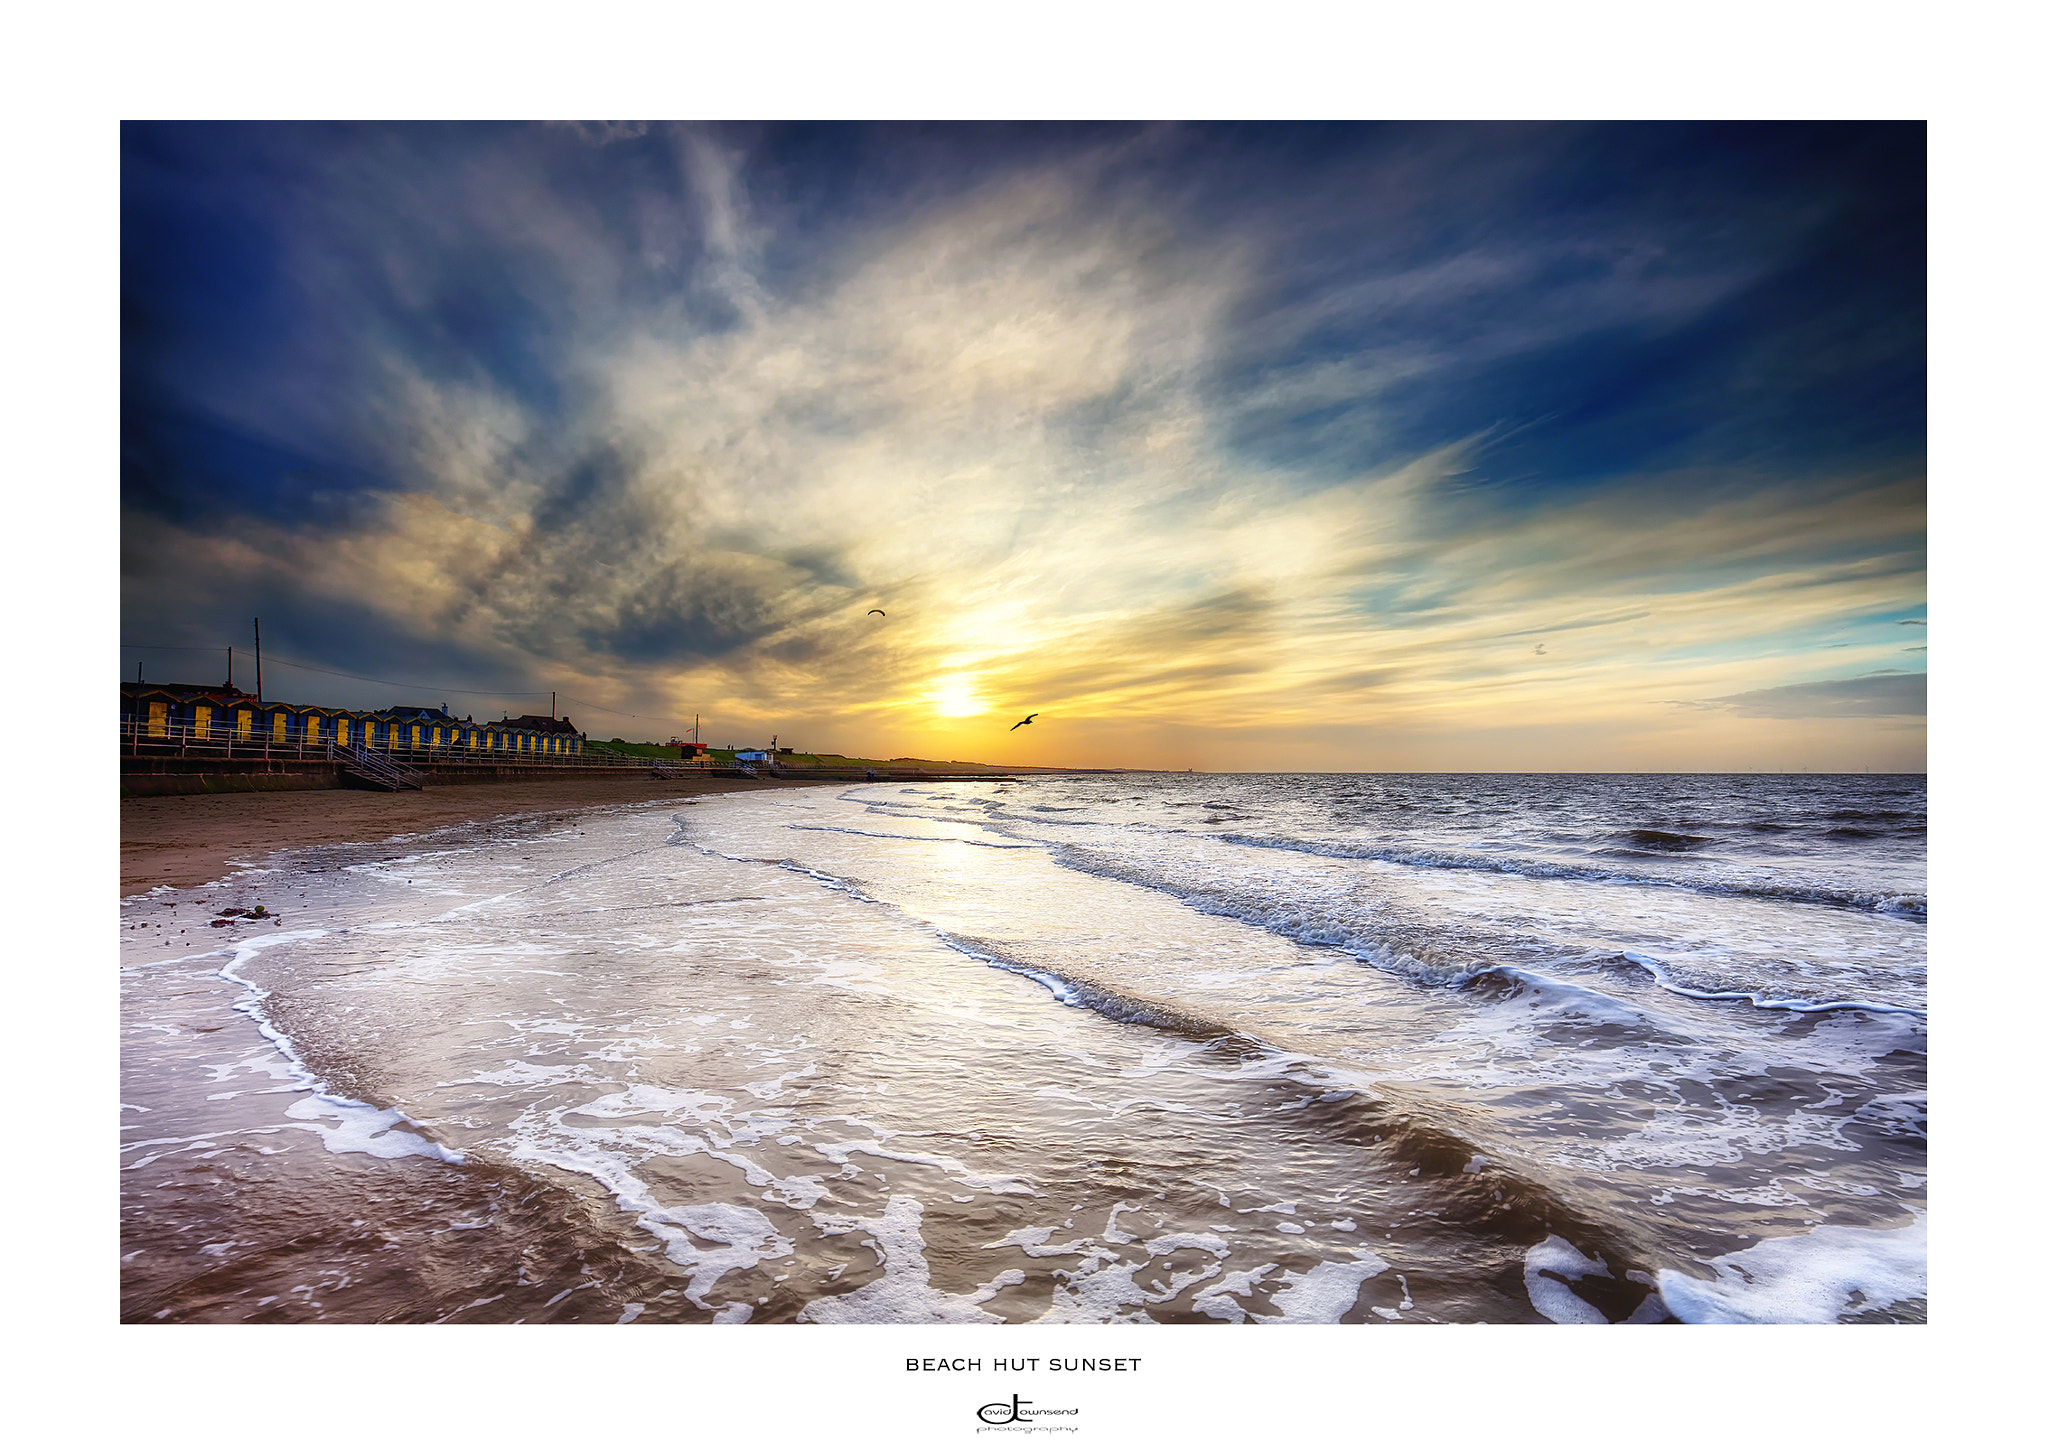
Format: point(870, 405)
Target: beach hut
point(279, 725)
point(158, 717)
point(301, 726)
point(178, 715)
point(420, 729)
point(546, 736)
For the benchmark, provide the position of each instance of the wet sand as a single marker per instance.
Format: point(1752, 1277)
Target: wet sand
point(185, 841)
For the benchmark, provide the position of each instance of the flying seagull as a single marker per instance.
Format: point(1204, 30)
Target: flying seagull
point(876, 612)
point(1015, 725)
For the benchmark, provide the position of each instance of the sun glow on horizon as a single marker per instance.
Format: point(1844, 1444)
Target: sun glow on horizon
point(956, 696)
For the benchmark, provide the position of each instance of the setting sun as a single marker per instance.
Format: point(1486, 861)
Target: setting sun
point(956, 696)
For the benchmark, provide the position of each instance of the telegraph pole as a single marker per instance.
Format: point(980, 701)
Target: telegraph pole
point(259, 662)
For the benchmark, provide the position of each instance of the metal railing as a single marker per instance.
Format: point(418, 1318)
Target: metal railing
point(169, 739)
point(382, 771)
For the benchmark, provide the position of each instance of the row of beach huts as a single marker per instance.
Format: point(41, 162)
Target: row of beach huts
point(193, 718)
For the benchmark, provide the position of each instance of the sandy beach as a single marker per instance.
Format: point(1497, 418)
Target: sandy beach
point(184, 841)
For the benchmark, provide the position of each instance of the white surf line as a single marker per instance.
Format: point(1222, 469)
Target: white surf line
point(827, 880)
point(1903, 904)
point(586, 867)
point(914, 837)
point(1656, 970)
point(476, 903)
point(240, 868)
point(179, 958)
point(363, 1128)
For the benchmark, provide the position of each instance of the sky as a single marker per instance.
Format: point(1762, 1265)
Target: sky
point(1237, 447)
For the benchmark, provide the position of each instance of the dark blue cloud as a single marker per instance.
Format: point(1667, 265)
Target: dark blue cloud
point(1671, 296)
point(200, 470)
point(1812, 234)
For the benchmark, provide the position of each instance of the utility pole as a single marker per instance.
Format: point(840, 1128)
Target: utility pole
point(231, 669)
point(551, 704)
point(259, 662)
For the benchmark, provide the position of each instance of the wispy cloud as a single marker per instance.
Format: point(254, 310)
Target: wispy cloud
point(1895, 694)
point(643, 419)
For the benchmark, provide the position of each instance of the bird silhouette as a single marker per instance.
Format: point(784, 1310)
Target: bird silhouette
point(1015, 725)
point(876, 612)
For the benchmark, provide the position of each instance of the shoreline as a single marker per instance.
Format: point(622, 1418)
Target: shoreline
point(185, 840)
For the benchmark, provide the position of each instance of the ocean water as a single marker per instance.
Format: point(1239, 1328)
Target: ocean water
point(1271, 1049)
